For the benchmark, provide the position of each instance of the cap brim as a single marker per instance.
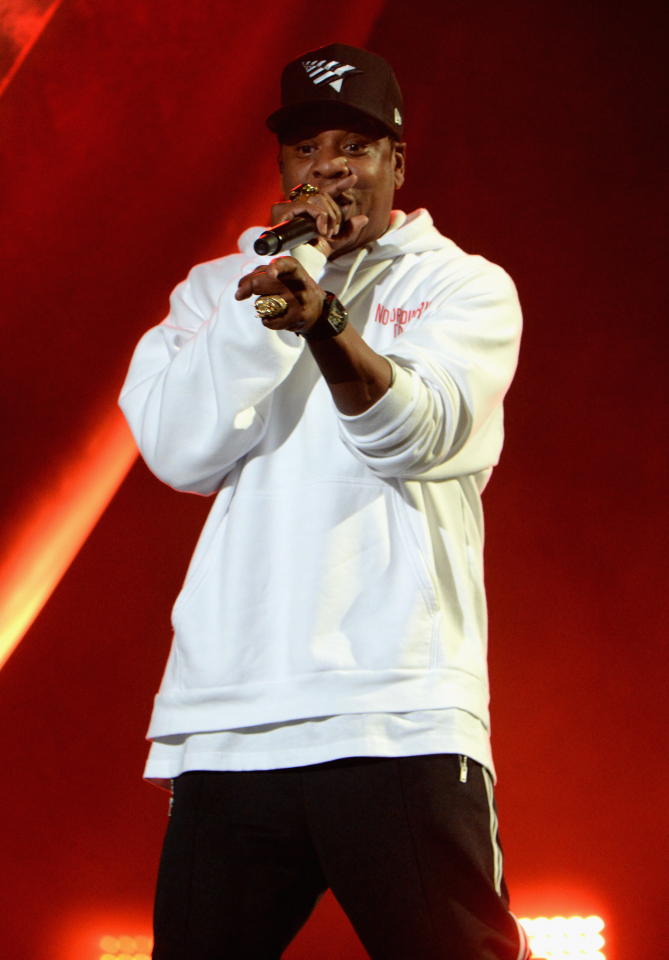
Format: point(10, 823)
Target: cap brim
point(279, 120)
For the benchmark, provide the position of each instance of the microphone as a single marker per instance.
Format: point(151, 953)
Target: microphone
point(290, 233)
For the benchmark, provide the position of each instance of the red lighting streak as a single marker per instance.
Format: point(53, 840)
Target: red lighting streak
point(59, 523)
point(23, 22)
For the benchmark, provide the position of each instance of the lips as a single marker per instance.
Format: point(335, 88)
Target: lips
point(346, 204)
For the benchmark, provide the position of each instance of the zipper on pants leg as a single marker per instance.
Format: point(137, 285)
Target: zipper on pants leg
point(463, 768)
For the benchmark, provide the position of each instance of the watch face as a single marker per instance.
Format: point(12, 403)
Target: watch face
point(337, 316)
point(332, 320)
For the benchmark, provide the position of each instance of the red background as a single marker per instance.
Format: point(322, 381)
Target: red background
point(132, 146)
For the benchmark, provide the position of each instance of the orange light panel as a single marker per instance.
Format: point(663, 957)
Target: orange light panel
point(572, 938)
point(126, 948)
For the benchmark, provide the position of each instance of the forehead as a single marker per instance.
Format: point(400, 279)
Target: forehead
point(317, 119)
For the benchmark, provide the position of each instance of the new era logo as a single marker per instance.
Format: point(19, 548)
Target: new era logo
point(329, 71)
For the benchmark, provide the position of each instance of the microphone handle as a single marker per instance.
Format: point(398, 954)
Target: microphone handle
point(289, 234)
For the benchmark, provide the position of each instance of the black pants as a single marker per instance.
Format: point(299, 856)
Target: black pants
point(409, 850)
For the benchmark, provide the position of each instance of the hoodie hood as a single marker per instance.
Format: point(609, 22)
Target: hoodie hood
point(408, 233)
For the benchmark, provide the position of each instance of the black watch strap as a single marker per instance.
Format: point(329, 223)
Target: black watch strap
point(332, 320)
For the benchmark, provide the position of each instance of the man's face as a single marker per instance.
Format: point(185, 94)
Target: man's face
point(326, 150)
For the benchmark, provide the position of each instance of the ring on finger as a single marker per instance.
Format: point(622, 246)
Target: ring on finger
point(271, 307)
point(301, 191)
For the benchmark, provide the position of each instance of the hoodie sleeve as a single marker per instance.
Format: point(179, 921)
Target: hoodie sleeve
point(443, 417)
point(199, 389)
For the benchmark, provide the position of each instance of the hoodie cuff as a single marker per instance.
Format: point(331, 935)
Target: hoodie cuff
point(389, 414)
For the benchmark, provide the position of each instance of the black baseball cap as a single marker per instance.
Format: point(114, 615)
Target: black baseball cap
point(340, 74)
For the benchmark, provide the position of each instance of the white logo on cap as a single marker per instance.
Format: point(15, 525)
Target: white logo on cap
point(398, 117)
point(322, 71)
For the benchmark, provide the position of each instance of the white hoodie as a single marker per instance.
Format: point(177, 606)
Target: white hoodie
point(340, 568)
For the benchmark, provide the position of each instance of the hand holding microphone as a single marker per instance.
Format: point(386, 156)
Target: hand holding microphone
point(289, 299)
point(290, 233)
point(310, 213)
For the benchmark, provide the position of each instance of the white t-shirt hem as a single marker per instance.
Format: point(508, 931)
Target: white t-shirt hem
point(309, 742)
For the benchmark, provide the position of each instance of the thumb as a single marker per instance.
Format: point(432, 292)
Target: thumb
point(355, 225)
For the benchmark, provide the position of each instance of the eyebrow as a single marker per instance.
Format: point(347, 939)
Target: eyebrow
point(295, 141)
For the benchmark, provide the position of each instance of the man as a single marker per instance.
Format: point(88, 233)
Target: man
point(324, 711)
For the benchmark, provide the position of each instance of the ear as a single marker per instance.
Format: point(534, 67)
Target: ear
point(399, 159)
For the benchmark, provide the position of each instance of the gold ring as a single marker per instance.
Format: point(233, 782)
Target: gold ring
point(302, 190)
point(271, 307)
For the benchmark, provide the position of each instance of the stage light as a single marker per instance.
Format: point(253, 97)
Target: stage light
point(126, 948)
point(573, 938)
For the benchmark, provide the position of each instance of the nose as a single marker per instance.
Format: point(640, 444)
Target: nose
point(331, 165)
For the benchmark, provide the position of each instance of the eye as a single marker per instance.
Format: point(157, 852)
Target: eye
point(304, 149)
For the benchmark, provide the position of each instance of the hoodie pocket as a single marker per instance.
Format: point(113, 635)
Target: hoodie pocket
point(308, 581)
point(416, 552)
point(208, 544)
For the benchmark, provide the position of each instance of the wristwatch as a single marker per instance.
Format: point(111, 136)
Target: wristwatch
point(332, 320)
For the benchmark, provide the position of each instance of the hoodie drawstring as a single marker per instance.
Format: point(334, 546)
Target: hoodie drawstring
point(362, 282)
point(362, 253)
